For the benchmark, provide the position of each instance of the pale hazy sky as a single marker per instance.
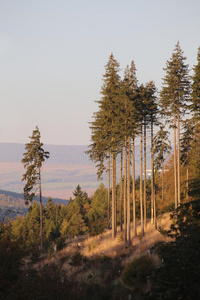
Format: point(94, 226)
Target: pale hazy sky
point(53, 53)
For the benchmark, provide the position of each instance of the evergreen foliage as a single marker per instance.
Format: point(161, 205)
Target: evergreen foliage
point(195, 95)
point(33, 160)
point(180, 257)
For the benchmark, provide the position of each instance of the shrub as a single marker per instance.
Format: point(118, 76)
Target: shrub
point(136, 272)
point(77, 259)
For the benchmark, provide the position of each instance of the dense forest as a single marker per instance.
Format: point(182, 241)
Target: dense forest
point(128, 111)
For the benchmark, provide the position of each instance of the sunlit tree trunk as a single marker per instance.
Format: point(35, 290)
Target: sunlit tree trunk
point(187, 181)
point(178, 158)
point(162, 166)
point(125, 189)
point(154, 201)
point(115, 198)
point(141, 202)
point(128, 192)
point(152, 176)
point(153, 180)
point(121, 188)
point(175, 169)
point(145, 184)
point(134, 204)
point(108, 190)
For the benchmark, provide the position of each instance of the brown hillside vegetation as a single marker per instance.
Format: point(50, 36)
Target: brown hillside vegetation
point(104, 245)
point(103, 262)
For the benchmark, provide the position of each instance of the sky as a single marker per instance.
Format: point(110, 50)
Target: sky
point(53, 53)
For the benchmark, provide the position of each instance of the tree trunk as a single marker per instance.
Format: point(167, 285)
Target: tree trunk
point(162, 181)
point(113, 199)
point(134, 206)
point(121, 189)
point(154, 201)
point(152, 176)
point(145, 183)
point(141, 202)
point(153, 179)
point(109, 190)
point(128, 193)
point(175, 172)
point(41, 229)
point(125, 189)
point(178, 158)
point(187, 181)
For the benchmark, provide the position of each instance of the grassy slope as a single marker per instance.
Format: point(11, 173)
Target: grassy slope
point(100, 259)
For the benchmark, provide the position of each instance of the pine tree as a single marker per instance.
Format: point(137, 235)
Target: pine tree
point(195, 95)
point(174, 98)
point(105, 127)
point(33, 160)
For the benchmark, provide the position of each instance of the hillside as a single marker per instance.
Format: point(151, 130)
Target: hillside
point(12, 204)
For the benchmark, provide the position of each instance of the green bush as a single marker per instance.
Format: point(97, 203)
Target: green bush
point(137, 271)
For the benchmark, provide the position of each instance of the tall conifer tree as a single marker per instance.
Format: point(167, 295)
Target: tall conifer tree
point(195, 95)
point(105, 131)
point(33, 160)
point(174, 98)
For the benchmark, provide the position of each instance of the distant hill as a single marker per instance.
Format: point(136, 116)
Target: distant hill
point(67, 167)
point(13, 204)
point(11, 152)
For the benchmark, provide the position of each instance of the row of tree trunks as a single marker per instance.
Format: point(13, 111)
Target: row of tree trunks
point(125, 188)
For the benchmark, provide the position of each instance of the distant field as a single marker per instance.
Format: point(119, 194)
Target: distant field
point(67, 167)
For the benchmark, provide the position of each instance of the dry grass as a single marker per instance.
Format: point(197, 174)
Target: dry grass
point(103, 244)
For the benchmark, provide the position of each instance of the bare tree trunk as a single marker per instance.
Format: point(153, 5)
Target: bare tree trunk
point(134, 204)
point(162, 181)
point(113, 199)
point(115, 196)
point(154, 201)
point(145, 183)
point(152, 176)
point(125, 189)
point(128, 193)
point(141, 202)
point(178, 158)
point(121, 189)
point(153, 179)
point(41, 229)
point(109, 190)
point(175, 172)
point(187, 181)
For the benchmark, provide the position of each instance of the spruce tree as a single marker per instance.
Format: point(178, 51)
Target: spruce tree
point(105, 127)
point(33, 160)
point(195, 95)
point(174, 98)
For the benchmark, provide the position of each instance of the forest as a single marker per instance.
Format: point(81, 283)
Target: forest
point(42, 254)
